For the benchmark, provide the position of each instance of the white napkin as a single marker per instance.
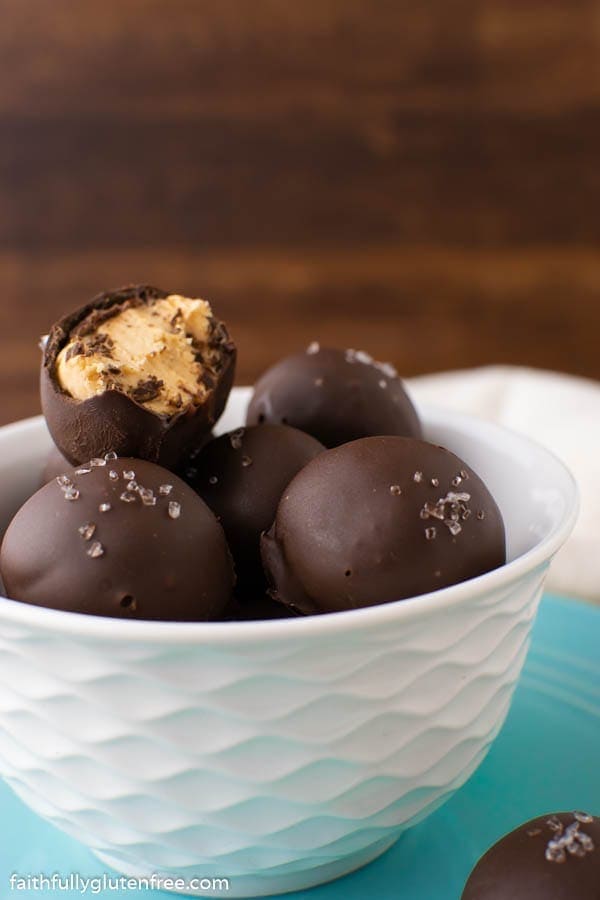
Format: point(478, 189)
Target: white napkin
point(560, 411)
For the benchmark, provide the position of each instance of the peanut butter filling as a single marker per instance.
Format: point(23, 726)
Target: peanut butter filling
point(161, 354)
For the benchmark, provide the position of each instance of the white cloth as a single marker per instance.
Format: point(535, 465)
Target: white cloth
point(560, 411)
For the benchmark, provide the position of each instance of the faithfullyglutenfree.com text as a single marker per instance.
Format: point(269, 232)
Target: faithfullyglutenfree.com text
point(76, 883)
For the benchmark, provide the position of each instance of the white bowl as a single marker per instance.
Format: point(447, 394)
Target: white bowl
point(276, 754)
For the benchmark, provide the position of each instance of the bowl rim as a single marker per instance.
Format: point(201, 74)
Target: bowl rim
point(406, 611)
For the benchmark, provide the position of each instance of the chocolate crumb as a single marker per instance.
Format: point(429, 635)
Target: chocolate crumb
point(77, 349)
point(99, 345)
point(147, 390)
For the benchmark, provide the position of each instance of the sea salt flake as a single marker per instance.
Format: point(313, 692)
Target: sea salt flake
point(554, 824)
point(382, 384)
point(97, 463)
point(105, 507)
point(96, 550)
point(555, 852)
point(435, 482)
point(449, 510)
point(129, 475)
point(418, 477)
point(71, 494)
point(481, 515)
point(430, 533)
point(572, 840)
point(246, 461)
point(110, 456)
point(235, 438)
point(114, 476)
point(87, 531)
point(165, 489)
point(83, 471)
point(583, 817)
point(174, 509)
point(132, 486)
point(453, 497)
point(386, 368)
point(127, 497)
point(64, 481)
point(586, 842)
point(313, 348)
point(395, 489)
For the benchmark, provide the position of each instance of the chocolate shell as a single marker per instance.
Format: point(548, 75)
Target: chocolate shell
point(335, 395)
point(112, 420)
point(553, 857)
point(377, 520)
point(122, 538)
point(241, 476)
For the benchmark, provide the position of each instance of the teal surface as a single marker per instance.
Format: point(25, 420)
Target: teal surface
point(545, 759)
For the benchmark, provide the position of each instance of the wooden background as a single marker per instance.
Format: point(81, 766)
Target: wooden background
point(421, 180)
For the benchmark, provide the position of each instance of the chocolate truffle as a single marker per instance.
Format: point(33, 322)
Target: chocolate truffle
point(139, 371)
point(554, 857)
point(335, 395)
point(118, 537)
point(241, 476)
point(377, 520)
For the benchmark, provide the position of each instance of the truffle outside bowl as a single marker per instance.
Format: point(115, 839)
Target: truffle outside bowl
point(276, 754)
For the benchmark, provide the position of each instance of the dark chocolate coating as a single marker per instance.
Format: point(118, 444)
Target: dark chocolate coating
point(335, 396)
point(152, 565)
point(517, 867)
point(257, 607)
point(241, 476)
point(83, 429)
point(56, 464)
point(352, 528)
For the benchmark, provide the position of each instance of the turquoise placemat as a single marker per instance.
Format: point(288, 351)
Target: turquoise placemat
point(545, 759)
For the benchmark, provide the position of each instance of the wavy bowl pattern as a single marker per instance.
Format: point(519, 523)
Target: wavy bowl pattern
point(276, 754)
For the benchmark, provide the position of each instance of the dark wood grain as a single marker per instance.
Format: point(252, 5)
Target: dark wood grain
point(420, 180)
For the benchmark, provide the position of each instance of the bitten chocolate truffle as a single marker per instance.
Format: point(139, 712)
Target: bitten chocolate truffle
point(377, 520)
point(139, 371)
point(554, 857)
point(118, 537)
point(241, 476)
point(335, 395)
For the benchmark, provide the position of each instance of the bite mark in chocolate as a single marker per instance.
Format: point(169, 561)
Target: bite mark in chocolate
point(142, 370)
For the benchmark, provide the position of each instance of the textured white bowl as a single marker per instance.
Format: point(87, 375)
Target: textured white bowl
point(277, 754)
